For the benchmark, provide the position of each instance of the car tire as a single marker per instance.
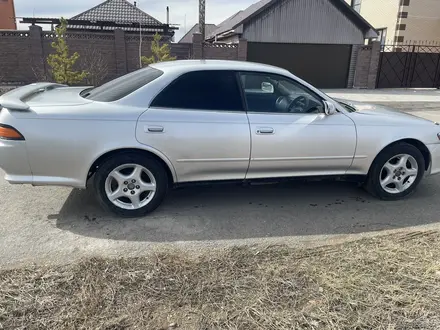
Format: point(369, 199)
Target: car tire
point(135, 194)
point(392, 166)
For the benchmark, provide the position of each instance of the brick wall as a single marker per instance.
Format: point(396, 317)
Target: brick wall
point(362, 67)
point(367, 66)
point(108, 55)
point(15, 55)
point(94, 49)
point(218, 51)
point(221, 51)
point(7, 15)
point(181, 51)
point(132, 50)
point(105, 55)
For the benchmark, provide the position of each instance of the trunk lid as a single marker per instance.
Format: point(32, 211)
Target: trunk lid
point(62, 96)
point(42, 95)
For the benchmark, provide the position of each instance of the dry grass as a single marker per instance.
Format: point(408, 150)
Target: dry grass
point(385, 283)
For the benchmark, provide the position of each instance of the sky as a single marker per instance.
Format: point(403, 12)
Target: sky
point(180, 10)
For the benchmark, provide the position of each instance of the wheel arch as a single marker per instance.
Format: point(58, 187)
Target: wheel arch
point(414, 142)
point(111, 153)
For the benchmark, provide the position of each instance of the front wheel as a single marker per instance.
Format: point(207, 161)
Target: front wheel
point(131, 184)
point(396, 172)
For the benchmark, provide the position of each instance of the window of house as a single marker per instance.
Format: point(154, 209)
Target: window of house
point(403, 14)
point(202, 90)
point(272, 93)
point(382, 35)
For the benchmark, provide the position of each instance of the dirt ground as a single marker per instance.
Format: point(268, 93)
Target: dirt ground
point(391, 282)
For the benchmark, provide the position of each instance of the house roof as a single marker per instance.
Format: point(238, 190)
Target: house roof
point(245, 15)
point(119, 11)
point(239, 17)
point(187, 38)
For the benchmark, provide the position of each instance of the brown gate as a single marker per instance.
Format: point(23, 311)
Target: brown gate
point(324, 66)
point(409, 66)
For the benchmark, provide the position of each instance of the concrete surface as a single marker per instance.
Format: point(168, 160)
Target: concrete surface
point(411, 95)
point(421, 102)
point(58, 225)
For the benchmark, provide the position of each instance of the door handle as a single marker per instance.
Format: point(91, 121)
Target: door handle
point(154, 129)
point(265, 130)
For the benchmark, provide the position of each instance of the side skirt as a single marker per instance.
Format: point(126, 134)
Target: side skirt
point(360, 179)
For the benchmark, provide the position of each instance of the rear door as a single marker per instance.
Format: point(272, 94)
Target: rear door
point(199, 123)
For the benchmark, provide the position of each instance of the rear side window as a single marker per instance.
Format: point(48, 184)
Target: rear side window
point(202, 90)
point(120, 87)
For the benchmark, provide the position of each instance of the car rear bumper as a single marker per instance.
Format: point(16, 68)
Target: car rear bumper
point(434, 167)
point(14, 161)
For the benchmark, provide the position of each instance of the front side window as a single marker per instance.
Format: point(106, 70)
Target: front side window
point(278, 94)
point(202, 90)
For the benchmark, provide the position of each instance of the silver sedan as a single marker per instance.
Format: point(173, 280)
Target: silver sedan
point(205, 121)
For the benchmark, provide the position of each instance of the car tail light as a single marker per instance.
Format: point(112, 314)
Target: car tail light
point(10, 133)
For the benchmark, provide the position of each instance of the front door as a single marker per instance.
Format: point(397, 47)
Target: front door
point(291, 135)
point(198, 122)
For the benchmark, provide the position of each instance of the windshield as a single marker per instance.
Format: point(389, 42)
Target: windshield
point(122, 86)
point(348, 107)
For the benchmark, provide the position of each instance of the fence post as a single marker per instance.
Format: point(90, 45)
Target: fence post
point(352, 65)
point(197, 45)
point(38, 64)
point(120, 52)
point(242, 50)
point(374, 65)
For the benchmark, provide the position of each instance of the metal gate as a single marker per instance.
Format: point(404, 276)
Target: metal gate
point(409, 66)
point(324, 66)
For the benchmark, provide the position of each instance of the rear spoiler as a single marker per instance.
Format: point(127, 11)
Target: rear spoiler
point(15, 99)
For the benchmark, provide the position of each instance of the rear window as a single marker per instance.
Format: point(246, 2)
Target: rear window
point(122, 86)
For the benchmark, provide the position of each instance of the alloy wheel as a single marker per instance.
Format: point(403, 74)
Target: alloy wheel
point(130, 186)
point(399, 173)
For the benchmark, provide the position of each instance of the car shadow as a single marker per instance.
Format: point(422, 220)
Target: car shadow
point(237, 212)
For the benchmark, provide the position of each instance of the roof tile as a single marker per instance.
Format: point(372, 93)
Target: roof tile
point(119, 11)
point(187, 38)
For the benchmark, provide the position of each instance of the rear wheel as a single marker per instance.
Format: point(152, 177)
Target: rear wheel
point(396, 172)
point(131, 184)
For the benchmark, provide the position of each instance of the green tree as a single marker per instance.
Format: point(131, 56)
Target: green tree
point(160, 53)
point(61, 62)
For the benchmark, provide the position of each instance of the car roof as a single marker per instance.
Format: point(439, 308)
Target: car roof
point(196, 65)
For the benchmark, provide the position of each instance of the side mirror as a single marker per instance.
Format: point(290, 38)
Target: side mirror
point(329, 108)
point(267, 87)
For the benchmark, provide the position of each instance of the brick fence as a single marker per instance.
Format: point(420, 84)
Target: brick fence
point(367, 66)
point(220, 51)
point(105, 55)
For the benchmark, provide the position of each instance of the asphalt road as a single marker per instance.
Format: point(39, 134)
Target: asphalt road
point(58, 225)
point(50, 224)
